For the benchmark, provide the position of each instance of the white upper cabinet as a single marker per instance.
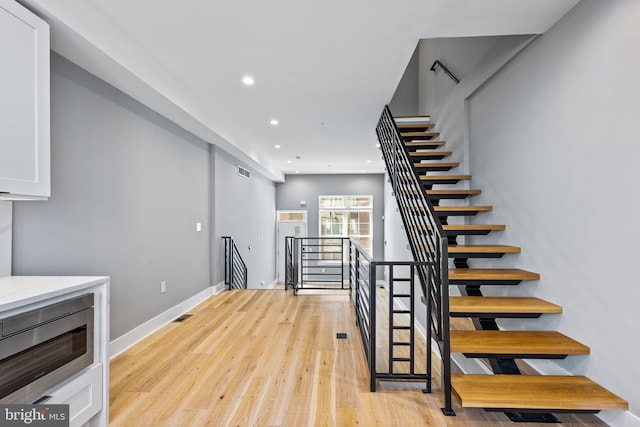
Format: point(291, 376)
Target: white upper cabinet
point(24, 104)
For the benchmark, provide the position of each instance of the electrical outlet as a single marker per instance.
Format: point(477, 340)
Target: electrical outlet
point(262, 283)
point(163, 287)
point(198, 226)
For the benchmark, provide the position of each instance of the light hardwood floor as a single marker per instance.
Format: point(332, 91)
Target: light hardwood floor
point(267, 358)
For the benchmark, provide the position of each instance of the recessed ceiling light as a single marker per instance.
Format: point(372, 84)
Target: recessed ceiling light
point(274, 122)
point(277, 146)
point(248, 80)
point(297, 171)
point(368, 161)
point(289, 161)
point(363, 171)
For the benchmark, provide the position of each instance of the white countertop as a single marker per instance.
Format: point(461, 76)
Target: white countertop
point(16, 291)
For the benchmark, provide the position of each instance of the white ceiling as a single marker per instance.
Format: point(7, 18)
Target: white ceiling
point(324, 69)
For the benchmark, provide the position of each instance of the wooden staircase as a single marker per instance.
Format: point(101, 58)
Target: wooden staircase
point(521, 397)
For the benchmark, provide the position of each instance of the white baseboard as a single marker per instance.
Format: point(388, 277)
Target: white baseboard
point(137, 334)
point(218, 288)
point(619, 419)
point(272, 285)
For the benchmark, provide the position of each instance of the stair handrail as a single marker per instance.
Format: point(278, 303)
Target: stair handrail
point(427, 239)
point(437, 64)
point(235, 269)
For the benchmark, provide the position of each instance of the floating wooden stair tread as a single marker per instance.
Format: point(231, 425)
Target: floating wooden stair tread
point(500, 307)
point(443, 179)
point(443, 211)
point(423, 145)
point(520, 344)
point(419, 135)
point(460, 210)
point(412, 119)
point(427, 155)
point(452, 194)
point(436, 166)
point(534, 392)
point(488, 276)
point(466, 229)
point(481, 251)
point(471, 229)
point(445, 194)
point(407, 126)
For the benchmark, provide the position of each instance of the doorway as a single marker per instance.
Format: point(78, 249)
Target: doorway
point(290, 223)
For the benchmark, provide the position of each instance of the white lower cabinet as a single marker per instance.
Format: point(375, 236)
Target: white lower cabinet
point(39, 302)
point(83, 394)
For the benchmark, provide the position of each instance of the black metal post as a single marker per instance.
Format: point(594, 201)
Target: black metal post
point(429, 332)
point(372, 326)
point(357, 279)
point(296, 242)
point(391, 293)
point(412, 348)
point(226, 260)
point(446, 343)
point(342, 263)
point(350, 261)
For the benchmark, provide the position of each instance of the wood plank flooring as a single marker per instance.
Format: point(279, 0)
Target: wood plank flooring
point(267, 358)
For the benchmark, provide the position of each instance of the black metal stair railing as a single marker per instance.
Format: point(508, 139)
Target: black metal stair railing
point(363, 278)
point(305, 255)
point(427, 239)
point(235, 269)
point(316, 263)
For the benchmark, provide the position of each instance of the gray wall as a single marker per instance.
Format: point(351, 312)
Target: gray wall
point(553, 145)
point(460, 55)
point(245, 210)
point(405, 99)
point(128, 187)
point(548, 137)
point(310, 187)
point(6, 213)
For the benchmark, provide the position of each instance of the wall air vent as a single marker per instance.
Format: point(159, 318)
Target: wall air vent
point(244, 172)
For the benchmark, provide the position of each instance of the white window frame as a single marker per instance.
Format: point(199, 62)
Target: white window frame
point(346, 209)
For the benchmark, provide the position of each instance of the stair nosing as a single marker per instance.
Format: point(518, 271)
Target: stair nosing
point(492, 275)
point(485, 304)
point(541, 343)
point(556, 392)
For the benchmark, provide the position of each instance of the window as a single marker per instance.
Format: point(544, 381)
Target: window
point(347, 216)
point(292, 216)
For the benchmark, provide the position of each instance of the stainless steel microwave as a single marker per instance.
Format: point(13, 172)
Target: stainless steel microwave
point(41, 348)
